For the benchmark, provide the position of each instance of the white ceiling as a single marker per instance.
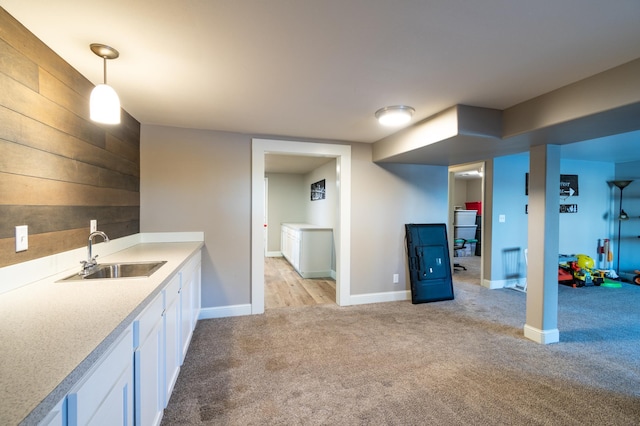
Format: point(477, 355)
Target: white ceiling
point(320, 69)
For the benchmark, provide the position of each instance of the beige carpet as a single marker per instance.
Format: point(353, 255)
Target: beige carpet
point(460, 362)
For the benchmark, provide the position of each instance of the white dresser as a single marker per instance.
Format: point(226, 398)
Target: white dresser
point(308, 248)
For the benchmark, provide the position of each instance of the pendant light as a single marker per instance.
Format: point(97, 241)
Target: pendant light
point(395, 115)
point(104, 104)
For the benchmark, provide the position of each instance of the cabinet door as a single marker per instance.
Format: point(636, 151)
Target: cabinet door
point(105, 394)
point(190, 302)
point(148, 332)
point(186, 317)
point(117, 407)
point(294, 241)
point(172, 336)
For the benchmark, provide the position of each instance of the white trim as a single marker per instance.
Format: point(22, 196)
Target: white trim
point(389, 296)
point(342, 154)
point(316, 274)
point(513, 284)
point(224, 311)
point(274, 254)
point(544, 337)
point(494, 284)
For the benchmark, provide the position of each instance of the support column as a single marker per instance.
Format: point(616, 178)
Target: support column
point(542, 273)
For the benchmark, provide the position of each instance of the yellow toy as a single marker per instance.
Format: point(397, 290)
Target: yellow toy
point(584, 272)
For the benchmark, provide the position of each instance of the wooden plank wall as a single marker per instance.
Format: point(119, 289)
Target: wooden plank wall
point(58, 169)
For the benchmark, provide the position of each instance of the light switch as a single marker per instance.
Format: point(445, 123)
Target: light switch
point(93, 225)
point(22, 238)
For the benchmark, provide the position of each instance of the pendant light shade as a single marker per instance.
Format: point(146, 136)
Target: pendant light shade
point(104, 104)
point(396, 115)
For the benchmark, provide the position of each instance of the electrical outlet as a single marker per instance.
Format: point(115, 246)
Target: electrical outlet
point(502, 218)
point(93, 225)
point(22, 238)
point(396, 278)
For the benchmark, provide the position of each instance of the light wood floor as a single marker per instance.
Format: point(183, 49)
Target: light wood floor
point(283, 286)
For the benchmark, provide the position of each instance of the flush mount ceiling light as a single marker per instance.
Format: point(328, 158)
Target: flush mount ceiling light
point(104, 104)
point(396, 115)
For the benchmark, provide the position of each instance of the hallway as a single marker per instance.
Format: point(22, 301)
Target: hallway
point(285, 287)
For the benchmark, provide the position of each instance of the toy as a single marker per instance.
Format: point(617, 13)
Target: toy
point(636, 279)
point(582, 270)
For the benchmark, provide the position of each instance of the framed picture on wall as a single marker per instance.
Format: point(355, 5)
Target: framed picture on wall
point(318, 190)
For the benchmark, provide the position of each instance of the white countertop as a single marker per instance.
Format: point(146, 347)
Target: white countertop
point(51, 333)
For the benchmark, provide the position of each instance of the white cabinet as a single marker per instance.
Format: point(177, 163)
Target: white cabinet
point(308, 248)
point(133, 380)
point(172, 336)
point(104, 396)
point(190, 301)
point(149, 363)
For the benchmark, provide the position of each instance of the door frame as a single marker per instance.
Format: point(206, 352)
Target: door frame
point(342, 233)
point(484, 248)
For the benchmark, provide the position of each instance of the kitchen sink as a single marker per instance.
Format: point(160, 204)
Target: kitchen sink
point(119, 270)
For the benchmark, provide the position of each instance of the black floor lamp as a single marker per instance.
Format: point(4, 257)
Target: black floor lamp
point(622, 184)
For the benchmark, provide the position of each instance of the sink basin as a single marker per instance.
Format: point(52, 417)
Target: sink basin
point(119, 270)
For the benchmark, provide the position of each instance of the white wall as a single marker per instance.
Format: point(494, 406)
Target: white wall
point(630, 229)
point(579, 232)
point(322, 212)
point(385, 198)
point(197, 180)
point(286, 204)
point(290, 201)
point(509, 199)
point(474, 190)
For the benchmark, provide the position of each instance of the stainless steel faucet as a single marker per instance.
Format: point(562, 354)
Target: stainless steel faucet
point(91, 261)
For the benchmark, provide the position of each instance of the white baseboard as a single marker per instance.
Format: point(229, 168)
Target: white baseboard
point(274, 254)
point(225, 311)
point(541, 336)
point(493, 284)
point(389, 296)
point(316, 274)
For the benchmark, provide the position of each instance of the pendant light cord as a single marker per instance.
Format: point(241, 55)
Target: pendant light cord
point(104, 61)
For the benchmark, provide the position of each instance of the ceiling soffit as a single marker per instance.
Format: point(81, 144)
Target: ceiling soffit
point(603, 105)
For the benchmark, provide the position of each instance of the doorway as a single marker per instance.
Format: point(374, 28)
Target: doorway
point(466, 195)
point(300, 252)
point(342, 233)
